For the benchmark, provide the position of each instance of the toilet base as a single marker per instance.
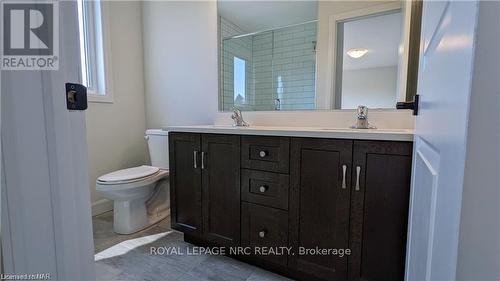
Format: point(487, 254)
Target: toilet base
point(133, 215)
point(129, 216)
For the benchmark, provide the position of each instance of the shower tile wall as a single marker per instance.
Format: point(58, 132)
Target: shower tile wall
point(280, 64)
point(263, 71)
point(294, 66)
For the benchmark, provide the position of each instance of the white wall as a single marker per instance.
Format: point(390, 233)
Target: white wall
point(479, 242)
point(115, 131)
point(372, 87)
point(180, 62)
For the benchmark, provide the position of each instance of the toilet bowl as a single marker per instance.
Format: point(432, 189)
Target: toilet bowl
point(140, 194)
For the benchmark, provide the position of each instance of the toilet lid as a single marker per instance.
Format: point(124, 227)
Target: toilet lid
point(129, 174)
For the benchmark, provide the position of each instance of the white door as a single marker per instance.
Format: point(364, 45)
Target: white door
point(46, 217)
point(446, 60)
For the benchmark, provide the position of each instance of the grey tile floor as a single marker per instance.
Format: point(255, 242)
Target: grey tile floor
point(129, 257)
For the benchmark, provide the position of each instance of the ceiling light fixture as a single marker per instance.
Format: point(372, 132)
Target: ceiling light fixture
point(356, 52)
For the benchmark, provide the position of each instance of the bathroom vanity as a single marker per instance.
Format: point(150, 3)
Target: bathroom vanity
point(302, 188)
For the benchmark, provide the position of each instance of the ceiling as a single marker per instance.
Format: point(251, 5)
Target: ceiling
point(381, 35)
point(252, 16)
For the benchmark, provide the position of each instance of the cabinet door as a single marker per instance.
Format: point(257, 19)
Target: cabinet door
point(221, 189)
point(185, 182)
point(319, 206)
point(379, 210)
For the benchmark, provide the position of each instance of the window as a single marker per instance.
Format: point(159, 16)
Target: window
point(239, 80)
point(94, 50)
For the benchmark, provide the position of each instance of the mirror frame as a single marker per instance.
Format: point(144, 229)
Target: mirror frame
point(416, 8)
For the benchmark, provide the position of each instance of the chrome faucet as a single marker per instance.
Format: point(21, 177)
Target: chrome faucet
point(277, 104)
point(238, 118)
point(362, 118)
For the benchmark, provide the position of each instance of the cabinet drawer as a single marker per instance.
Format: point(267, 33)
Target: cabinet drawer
point(265, 188)
point(264, 227)
point(265, 153)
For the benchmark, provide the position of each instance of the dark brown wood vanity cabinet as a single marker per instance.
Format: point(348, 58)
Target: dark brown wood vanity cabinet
point(204, 184)
point(303, 193)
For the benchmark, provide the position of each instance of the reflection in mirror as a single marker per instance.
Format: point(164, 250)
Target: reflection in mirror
point(268, 55)
point(368, 59)
point(284, 55)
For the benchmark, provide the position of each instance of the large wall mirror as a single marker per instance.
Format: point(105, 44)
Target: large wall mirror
point(285, 55)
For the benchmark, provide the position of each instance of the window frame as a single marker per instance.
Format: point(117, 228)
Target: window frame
point(94, 34)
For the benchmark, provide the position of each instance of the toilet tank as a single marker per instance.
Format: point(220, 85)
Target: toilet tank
point(158, 147)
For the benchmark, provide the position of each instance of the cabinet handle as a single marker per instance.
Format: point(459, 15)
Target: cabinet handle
point(263, 188)
point(202, 160)
point(195, 159)
point(358, 171)
point(262, 233)
point(344, 170)
point(262, 154)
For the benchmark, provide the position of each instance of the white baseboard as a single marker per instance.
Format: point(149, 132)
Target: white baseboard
point(101, 206)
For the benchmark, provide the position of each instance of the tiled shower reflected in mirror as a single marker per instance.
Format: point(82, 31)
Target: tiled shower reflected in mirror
point(270, 70)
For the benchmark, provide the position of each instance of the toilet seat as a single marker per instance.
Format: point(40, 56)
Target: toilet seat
point(130, 183)
point(129, 174)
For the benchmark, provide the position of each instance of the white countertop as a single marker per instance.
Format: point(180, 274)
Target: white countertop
point(334, 133)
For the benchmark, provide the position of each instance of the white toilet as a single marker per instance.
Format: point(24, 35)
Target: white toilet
point(140, 194)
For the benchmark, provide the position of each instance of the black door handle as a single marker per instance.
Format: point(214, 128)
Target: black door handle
point(409, 105)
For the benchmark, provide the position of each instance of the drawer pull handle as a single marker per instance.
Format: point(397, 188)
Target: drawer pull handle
point(344, 170)
point(263, 188)
point(195, 159)
point(262, 233)
point(262, 154)
point(358, 171)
